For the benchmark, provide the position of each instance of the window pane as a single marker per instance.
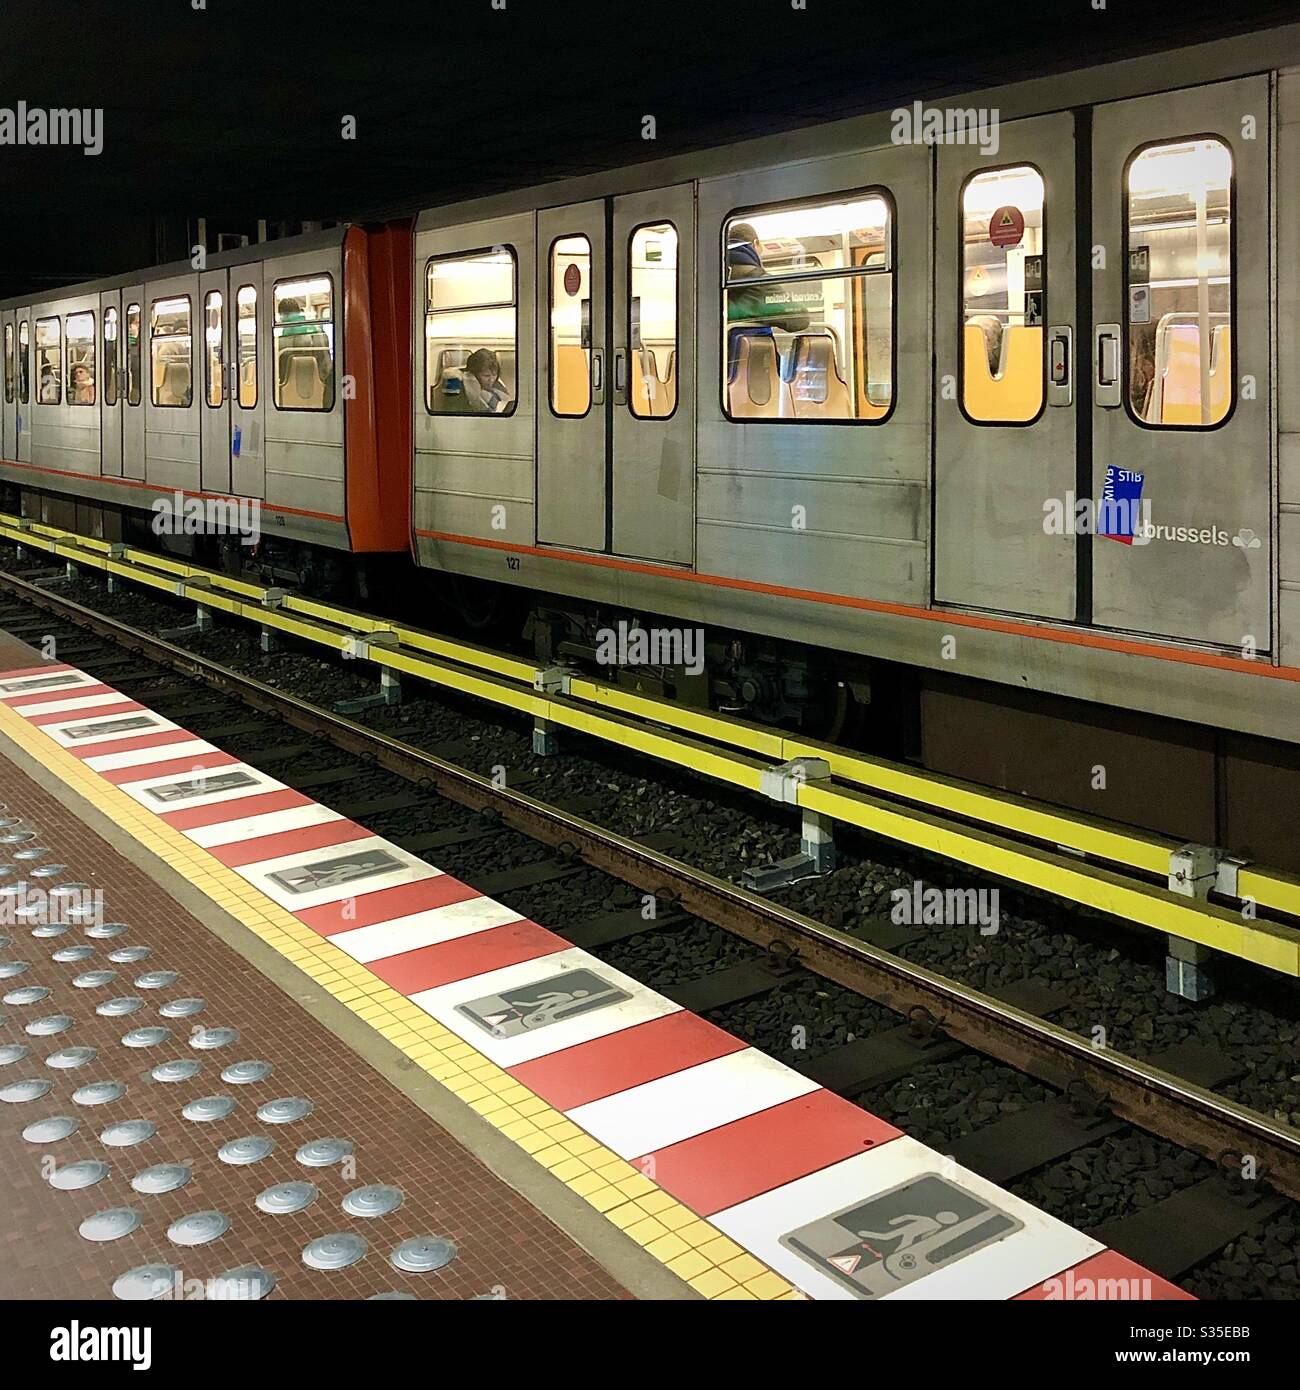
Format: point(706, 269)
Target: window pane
point(214, 350)
point(24, 380)
point(133, 353)
point(1003, 296)
point(652, 321)
point(246, 345)
point(49, 361)
point(110, 356)
point(809, 305)
point(9, 362)
point(571, 326)
point(470, 326)
point(170, 354)
point(304, 344)
point(1178, 284)
point(81, 359)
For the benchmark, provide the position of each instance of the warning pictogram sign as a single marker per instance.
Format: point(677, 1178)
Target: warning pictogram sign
point(1006, 226)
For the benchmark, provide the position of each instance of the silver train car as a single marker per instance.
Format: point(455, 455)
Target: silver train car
point(845, 387)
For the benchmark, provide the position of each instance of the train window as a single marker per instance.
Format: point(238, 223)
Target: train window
point(214, 348)
point(246, 345)
point(1003, 296)
point(49, 361)
point(110, 356)
point(81, 359)
point(9, 363)
point(808, 308)
point(133, 354)
point(652, 321)
point(170, 353)
point(1178, 254)
point(304, 344)
point(570, 326)
point(470, 333)
point(24, 381)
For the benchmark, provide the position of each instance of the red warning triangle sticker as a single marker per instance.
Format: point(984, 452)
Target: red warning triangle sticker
point(846, 1263)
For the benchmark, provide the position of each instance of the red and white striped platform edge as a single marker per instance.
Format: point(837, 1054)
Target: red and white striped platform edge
point(767, 1156)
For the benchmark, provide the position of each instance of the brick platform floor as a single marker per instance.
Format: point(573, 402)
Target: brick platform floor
point(503, 1242)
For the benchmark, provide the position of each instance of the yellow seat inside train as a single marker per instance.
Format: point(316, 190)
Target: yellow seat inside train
point(756, 389)
point(571, 389)
point(1178, 347)
point(817, 390)
point(653, 395)
point(1015, 392)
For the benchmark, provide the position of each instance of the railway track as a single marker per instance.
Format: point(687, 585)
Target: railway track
point(1096, 1088)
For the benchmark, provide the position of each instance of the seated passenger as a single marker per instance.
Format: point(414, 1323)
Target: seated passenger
point(750, 305)
point(49, 394)
point(992, 330)
point(83, 388)
point(484, 390)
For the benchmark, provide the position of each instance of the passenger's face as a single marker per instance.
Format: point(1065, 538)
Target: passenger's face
point(487, 377)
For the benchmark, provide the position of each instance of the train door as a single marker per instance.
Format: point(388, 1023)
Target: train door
point(174, 360)
point(9, 401)
point(247, 375)
point(1004, 356)
point(134, 389)
point(211, 379)
point(23, 419)
point(1181, 364)
point(653, 378)
point(572, 419)
point(110, 377)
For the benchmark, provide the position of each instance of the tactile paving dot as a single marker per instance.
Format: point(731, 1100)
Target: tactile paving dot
point(119, 1008)
point(251, 1149)
point(146, 1037)
point(69, 955)
point(145, 1283)
point(157, 979)
point(285, 1198)
point(421, 1254)
point(249, 1282)
point(106, 931)
point(245, 1073)
point(27, 994)
point(99, 1093)
point(48, 1026)
point(205, 1039)
point(324, 1153)
point(69, 1058)
point(111, 1224)
point(72, 1177)
point(208, 1108)
point(198, 1228)
point(19, 1092)
point(11, 1053)
point(180, 1070)
point(378, 1199)
point(162, 1177)
point(51, 929)
point(130, 955)
point(127, 1133)
point(51, 1130)
point(94, 979)
point(10, 969)
point(182, 1008)
point(285, 1111)
point(337, 1251)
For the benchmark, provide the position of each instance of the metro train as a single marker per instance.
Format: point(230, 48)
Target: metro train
point(984, 451)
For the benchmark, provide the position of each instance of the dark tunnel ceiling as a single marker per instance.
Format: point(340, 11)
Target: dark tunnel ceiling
point(234, 111)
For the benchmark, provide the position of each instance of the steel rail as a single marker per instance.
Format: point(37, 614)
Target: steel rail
point(1154, 1100)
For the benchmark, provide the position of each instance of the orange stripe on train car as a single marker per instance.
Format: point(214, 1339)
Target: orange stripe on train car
point(903, 610)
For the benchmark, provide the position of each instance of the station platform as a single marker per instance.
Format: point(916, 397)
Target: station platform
point(568, 1132)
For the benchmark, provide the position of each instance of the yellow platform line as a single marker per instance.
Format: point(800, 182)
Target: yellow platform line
point(693, 1249)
